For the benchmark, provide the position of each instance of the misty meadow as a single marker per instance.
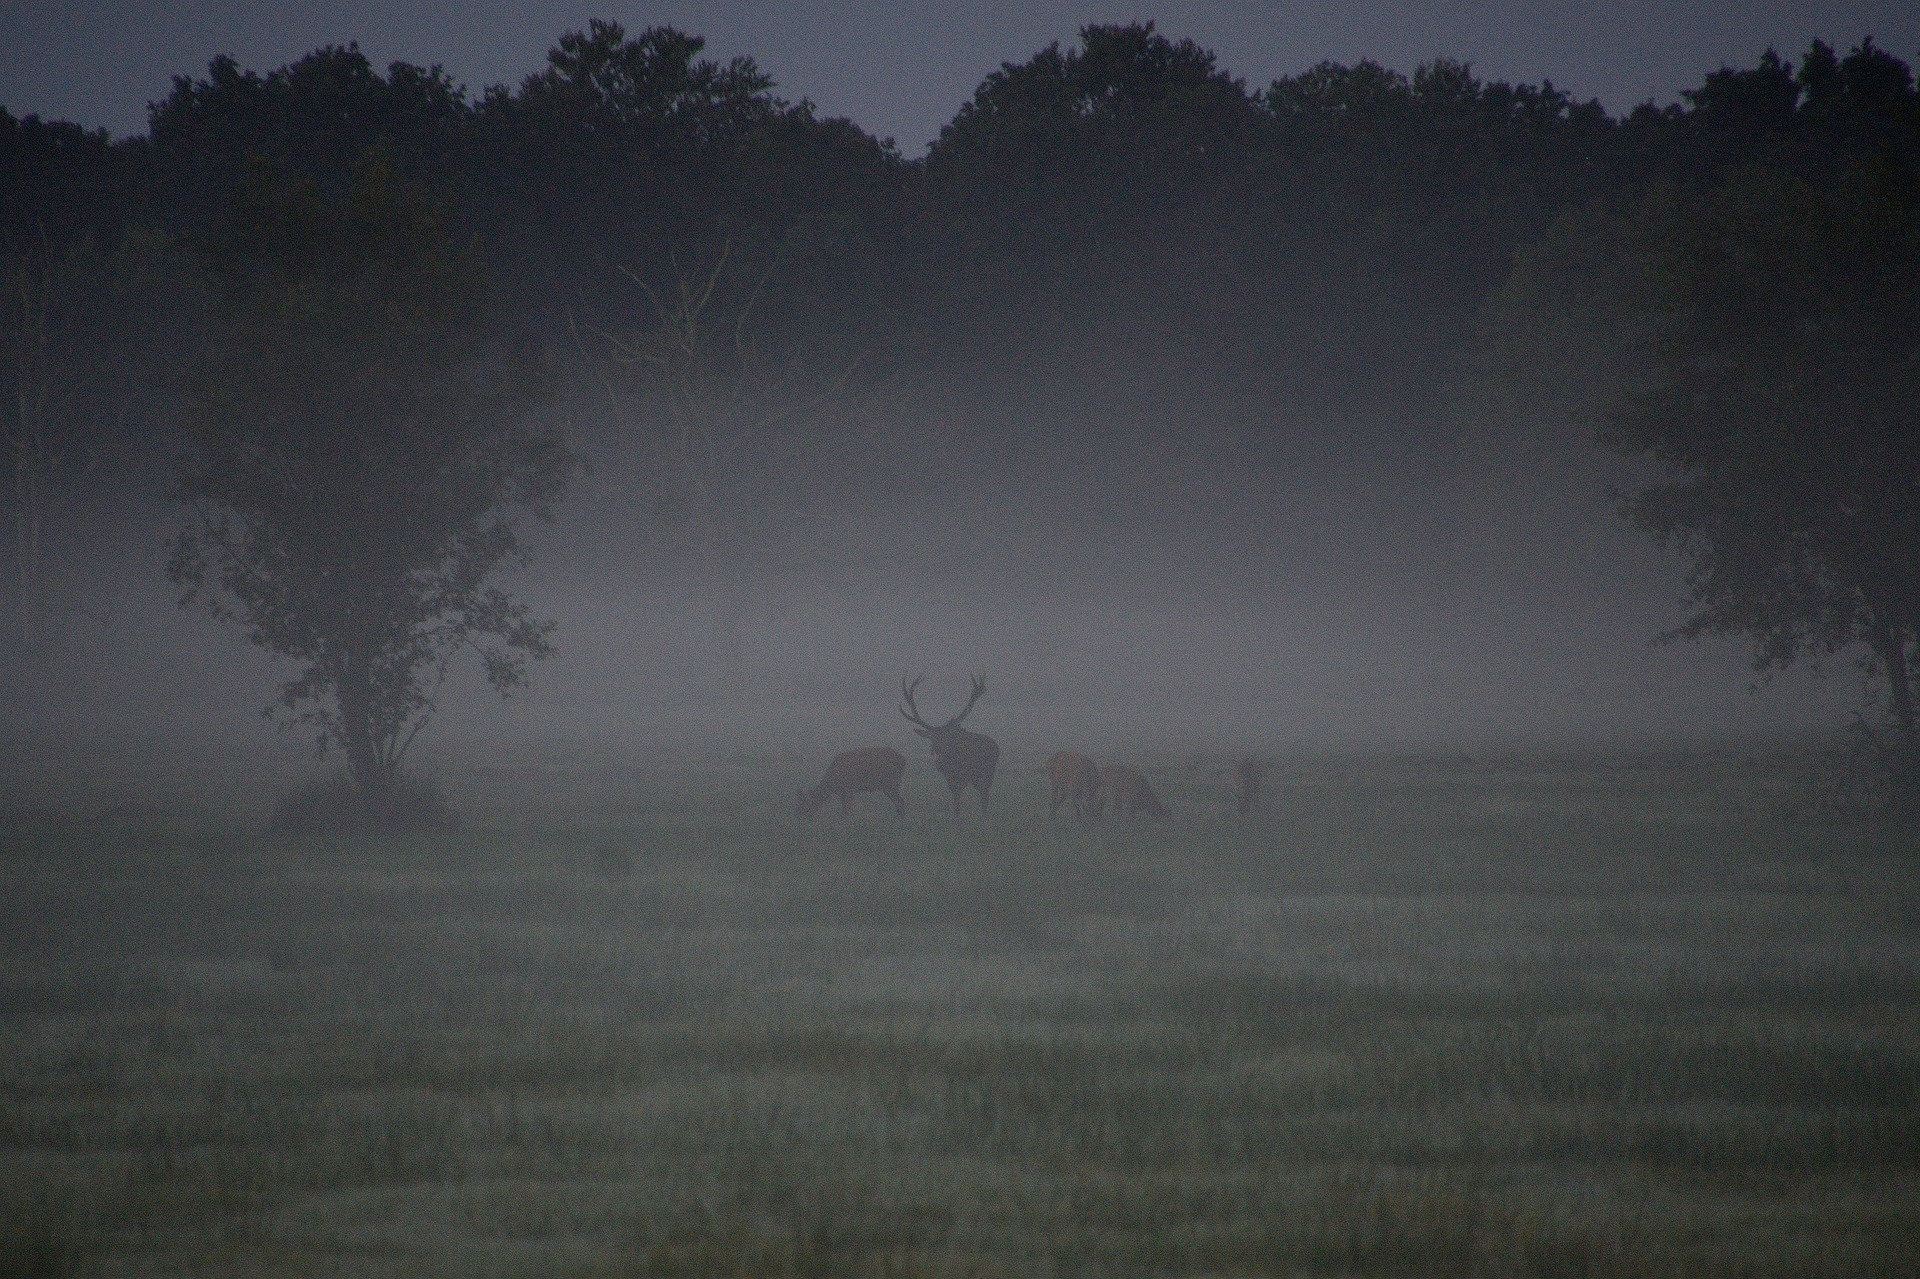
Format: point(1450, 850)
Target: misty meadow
point(1207, 679)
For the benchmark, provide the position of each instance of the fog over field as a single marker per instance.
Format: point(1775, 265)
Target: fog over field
point(1213, 582)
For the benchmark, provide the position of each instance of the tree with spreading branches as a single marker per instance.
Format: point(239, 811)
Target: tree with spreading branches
point(1782, 395)
point(715, 418)
point(358, 456)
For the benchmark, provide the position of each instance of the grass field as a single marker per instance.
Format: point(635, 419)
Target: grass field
point(1582, 1016)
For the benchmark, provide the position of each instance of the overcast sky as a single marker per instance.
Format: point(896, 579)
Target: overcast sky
point(901, 68)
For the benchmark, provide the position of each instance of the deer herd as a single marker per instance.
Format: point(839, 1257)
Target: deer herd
point(964, 759)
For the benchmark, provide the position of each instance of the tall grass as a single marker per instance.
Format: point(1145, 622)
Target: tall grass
point(1521, 1017)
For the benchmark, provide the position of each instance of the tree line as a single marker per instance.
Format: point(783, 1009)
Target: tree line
point(297, 274)
point(1306, 222)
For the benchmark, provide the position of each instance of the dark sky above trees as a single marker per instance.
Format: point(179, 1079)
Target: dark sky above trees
point(902, 69)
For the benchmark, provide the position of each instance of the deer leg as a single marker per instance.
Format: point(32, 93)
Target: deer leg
point(899, 805)
point(846, 802)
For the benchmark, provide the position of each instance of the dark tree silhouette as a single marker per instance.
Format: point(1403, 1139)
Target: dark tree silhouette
point(45, 359)
point(75, 326)
point(626, 144)
point(1784, 393)
point(311, 119)
point(357, 455)
point(1752, 327)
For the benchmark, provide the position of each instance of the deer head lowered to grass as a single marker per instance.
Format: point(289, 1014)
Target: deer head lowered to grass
point(1128, 789)
point(854, 772)
point(963, 758)
point(1075, 780)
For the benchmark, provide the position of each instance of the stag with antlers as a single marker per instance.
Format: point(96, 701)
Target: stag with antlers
point(963, 758)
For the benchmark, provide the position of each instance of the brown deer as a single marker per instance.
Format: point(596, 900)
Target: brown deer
point(1247, 776)
point(1076, 780)
point(1130, 793)
point(870, 768)
point(963, 758)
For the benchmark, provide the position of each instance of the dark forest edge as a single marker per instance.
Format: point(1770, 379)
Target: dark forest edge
point(1733, 277)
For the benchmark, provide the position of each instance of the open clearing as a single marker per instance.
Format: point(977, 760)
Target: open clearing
point(1593, 1016)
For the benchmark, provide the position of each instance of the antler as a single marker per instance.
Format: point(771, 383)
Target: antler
point(979, 689)
point(911, 711)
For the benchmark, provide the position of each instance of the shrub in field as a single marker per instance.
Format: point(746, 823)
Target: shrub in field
point(1872, 774)
point(336, 805)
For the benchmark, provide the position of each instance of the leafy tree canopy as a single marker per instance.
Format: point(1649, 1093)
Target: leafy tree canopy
point(1128, 107)
point(1785, 369)
point(652, 89)
point(314, 119)
point(357, 456)
point(60, 180)
point(1757, 335)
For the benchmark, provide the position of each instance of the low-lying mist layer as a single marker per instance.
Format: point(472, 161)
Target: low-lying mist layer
point(1191, 593)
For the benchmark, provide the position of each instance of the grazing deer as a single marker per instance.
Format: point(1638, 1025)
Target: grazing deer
point(1076, 780)
point(1130, 793)
point(871, 768)
point(964, 759)
point(1247, 776)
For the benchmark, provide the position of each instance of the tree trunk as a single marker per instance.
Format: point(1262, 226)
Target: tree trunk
point(1894, 653)
point(27, 433)
point(27, 548)
point(372, 773)
point(721, 589)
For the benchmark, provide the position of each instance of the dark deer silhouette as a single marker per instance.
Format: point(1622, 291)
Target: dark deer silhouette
point(1076, 780)
point(1247, 776)
point(871, 768)
point(964, 759)
point(1128, 789)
